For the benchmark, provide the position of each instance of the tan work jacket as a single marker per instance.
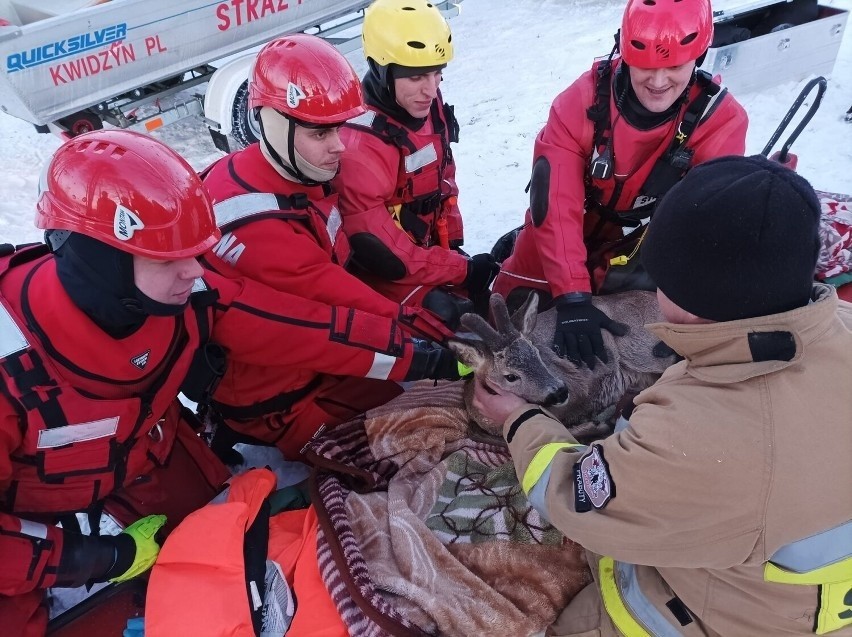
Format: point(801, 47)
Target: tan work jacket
point(725, 507)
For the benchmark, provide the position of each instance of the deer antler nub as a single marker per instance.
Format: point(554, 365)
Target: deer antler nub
point(481, 328)
point(502, 321)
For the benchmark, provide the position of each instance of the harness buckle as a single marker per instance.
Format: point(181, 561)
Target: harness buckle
point(156, 432)
point(601, 166)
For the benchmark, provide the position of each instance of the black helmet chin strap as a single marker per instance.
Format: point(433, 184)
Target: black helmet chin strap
point(293, 168)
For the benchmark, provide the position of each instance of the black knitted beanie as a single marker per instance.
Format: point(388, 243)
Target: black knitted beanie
point(736, 238)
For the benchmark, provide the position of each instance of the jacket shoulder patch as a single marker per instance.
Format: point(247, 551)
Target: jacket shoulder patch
point(593, 480)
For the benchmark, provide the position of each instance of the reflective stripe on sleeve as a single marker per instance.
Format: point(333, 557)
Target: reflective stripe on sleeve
point(34, 529)
point(365, 119)
point(541, 462)
point(332, 226)
point(12, 340)
point(420, 158)
point(241, 206)
point(382, 366)
point(81, 432)
point(537, 496)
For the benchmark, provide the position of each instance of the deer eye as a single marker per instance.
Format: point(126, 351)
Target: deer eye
point(511, 378)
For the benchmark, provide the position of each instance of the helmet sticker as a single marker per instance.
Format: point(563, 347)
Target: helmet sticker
point(125, 223)
point(294, 95)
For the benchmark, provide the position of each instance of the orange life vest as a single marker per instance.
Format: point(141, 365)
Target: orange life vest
point(208, 579)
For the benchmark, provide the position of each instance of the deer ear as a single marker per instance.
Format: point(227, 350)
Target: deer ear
point(470, 352)
point(525, 317)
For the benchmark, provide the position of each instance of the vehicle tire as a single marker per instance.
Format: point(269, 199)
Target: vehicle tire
point(81, 122)
point(244, 127)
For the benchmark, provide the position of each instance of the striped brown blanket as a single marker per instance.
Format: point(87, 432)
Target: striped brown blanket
point(426, 531)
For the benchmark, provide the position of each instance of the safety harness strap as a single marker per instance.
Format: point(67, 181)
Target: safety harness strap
point(282, 403)
point(668, 169)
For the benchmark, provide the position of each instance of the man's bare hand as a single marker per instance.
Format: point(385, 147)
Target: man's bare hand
point(494, 403)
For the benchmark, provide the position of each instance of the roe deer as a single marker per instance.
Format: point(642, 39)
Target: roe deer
point(517, 357)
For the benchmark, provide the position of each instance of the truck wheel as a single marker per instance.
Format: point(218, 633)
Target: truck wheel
point(244, 127)
point(82, 122)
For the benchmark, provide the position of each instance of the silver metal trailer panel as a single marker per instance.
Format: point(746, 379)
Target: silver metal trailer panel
point(56, 64)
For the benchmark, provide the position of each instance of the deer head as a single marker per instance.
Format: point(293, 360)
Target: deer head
point(506, 356)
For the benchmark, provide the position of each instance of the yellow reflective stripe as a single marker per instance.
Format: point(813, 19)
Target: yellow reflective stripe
point(613, 603)
point(835, 607)
point(831, 574)
point(541, 461)
point(835, 592)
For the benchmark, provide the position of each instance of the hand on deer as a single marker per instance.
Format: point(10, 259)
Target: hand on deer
point(578, 334)
point(493, 403)
point(432, 361)
point(481, 270)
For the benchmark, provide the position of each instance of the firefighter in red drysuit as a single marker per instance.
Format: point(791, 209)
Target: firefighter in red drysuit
point(281, 226)
point(98, 334)
point(398, 193)
point(615, 141)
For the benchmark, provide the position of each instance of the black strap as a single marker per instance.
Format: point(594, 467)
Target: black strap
point(210, 361)
point(283, 402)
point(387, 131)
point(671, 165)
point(452, 123)
point(413, 224)
point(255, 550)
point(29, 381)
point(520, 420)
point(598, 112)
point(202, 303)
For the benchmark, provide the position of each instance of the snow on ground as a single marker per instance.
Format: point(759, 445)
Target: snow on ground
point(512, 59)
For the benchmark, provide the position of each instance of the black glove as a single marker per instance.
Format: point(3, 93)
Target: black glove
point(481, 270)
point(432, 361)
point(115, 558)
point(93, 558)
point(578, 329)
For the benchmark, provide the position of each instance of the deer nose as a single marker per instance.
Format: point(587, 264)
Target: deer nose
point(557, 397)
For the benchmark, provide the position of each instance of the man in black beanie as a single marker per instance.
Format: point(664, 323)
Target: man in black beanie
point(736, 240)
point(724, 506)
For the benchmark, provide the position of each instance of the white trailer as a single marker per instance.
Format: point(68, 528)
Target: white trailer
point(68, 66)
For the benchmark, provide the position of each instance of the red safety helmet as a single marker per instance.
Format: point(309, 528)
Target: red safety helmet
point(661, 33)
point(129, 191)
point(306, 78)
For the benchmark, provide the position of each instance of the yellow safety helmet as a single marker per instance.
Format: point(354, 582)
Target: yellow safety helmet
point(410, 33)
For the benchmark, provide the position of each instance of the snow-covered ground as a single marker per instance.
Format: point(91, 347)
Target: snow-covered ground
point(512, 59)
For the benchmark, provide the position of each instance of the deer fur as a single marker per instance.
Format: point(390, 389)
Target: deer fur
point(516, 356)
